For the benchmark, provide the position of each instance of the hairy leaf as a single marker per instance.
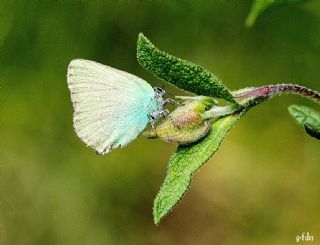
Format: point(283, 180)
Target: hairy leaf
point(185, 161)
point(181, 73)
point(259, 6)
point(308, 118)
point(312, 130)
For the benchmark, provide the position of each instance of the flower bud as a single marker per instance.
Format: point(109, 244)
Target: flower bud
point(185, 125)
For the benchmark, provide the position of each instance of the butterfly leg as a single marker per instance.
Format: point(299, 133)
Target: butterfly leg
point(171, 101)
point(165, 113)
point(152, 121)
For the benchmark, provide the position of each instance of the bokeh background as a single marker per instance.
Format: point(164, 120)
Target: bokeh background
point(262, 186)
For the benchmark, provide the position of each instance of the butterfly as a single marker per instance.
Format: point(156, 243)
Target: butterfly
point(111, 107)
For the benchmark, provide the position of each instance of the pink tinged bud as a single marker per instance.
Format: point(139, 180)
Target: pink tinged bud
point(185, 125)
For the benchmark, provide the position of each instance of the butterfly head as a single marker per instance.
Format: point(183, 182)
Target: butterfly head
point(159, 91)
point(159, 98)
point(156, 105)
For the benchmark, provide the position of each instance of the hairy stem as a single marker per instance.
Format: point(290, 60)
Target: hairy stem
point(270, 90)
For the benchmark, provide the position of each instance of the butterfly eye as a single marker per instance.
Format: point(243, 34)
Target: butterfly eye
point(159, 90)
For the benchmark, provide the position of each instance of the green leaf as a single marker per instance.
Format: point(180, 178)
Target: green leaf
point(312, 130)
point(259, 6)
point(185, 161)
point(181, 73)
point(308, 118)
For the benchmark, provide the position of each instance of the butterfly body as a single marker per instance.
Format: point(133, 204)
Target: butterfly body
point(111, 107)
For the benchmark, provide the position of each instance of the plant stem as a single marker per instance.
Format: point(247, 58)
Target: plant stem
point(270, 90)
point(220, 111)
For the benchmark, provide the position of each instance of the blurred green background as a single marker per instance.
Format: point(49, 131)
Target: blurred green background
point(262, 186)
